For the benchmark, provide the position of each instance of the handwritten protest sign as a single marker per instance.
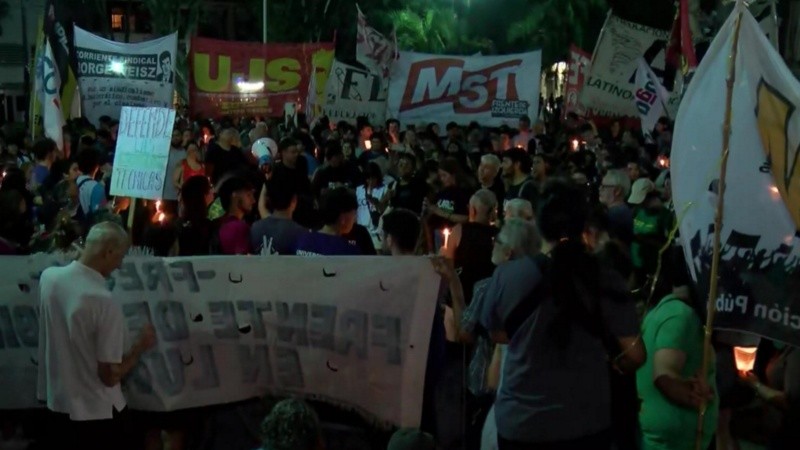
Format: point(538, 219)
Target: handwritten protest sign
point(140, 162)
point(351, 331)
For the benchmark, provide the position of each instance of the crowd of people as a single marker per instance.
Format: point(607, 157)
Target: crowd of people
point(567, 318)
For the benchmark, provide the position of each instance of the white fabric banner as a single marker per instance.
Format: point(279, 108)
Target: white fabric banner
point(492, 90)
point(48, 87)
point(760, 255)
point(651, 97)
point(351, 93)
point(611, 85)
point(114, 74)
point(352, 331)
point(143, 146)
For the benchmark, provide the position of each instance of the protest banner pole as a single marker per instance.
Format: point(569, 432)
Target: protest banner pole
point(718, 216)
point(131, 215)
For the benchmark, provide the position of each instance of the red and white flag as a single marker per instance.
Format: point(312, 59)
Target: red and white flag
point(373, 49)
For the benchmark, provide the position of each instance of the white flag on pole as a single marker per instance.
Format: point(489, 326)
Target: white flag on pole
point(760, 257)
point(651, 97)
point(48, 85)
point(373, 49)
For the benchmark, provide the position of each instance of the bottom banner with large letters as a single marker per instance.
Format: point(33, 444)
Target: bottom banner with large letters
point(352, 331)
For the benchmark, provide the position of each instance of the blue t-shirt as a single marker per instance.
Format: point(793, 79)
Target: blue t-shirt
point(319, 244)
point(40, 173)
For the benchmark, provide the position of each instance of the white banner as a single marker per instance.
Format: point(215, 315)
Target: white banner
point(143, 146)
point(611, 86)
point(760, 255)
point(351, 93)
point(492, 90)
point(651, 97)
point(113, 74)
point(353, 331)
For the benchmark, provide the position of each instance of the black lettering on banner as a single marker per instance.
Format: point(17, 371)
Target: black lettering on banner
point(137, 315)
point(292, 326)
point(223, 318)
point(255, 311)
point(96, 63)
point(155, 273)
point(169, 320)
point(129, 276)
point(209, 376)
point(8, 338)
point(386, 334)
point(353, 333)
point(26, 324)
point(140, 380)
point(288, 369)
point(253, 360)
point(322, 326)
point(168, 370)
point(185, 273)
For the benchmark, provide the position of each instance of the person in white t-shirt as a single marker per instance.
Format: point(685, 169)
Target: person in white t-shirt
point(82, 354)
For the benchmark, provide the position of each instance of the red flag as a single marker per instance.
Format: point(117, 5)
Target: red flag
point(681, 49)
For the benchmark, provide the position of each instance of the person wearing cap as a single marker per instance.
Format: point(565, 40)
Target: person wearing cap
point(651, 224)
point(411, 439)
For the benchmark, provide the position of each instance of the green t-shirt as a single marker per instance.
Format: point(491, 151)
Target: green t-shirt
point(666, 426)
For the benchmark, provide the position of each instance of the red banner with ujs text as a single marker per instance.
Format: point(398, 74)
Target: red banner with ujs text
point(253, 79)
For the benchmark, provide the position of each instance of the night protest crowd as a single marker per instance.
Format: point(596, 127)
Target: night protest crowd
point(567, 318)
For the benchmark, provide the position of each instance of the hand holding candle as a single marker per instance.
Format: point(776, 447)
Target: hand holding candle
point(446, 234)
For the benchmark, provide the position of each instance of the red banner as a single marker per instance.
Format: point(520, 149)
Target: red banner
point(579, 62)
point(253, 79)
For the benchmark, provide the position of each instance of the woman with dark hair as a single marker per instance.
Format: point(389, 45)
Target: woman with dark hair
point(563, 318)
point(194, 228)
point(451, 204)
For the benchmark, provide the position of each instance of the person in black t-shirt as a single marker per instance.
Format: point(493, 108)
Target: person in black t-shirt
point(451, 205)
point(517, 165)
point(291, 169)
point(409, 191)
point(224, 157)
point(334, 173)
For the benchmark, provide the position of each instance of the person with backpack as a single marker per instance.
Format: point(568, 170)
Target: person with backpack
point(91, 193)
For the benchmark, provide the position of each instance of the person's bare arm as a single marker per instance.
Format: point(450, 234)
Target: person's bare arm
point(177, 177)
point(686, 392)
point(633, 354)
point(493, 371)
point(111, 374)
point(263, 212)
point(772, 396)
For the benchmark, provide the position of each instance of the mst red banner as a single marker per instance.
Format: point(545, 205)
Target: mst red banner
point(248, 78)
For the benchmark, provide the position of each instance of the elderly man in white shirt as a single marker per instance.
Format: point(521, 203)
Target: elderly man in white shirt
point(82, 357)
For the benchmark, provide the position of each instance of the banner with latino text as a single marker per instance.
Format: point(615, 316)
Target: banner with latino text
point(114, 74)
point(250, 78)
point(352, 331)
point(759, 273)
point(491, 90)
point(610, 87)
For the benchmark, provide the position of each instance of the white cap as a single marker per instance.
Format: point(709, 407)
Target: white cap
point(640, 189)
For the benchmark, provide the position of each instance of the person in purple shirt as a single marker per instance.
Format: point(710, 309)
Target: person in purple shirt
point(237, 198)
point(338, 210)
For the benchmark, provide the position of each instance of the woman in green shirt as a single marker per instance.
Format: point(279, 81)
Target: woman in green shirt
point(668, 386)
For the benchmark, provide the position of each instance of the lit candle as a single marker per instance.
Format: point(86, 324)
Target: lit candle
point(161, 218)
point(368, 145)
point(446, 233)
point(745, 358)
point(574, 145)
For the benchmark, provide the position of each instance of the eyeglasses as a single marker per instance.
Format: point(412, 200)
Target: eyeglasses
point(608, 186)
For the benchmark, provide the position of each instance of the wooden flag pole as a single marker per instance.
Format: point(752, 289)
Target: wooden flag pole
point(711, 309)
point(131, 215)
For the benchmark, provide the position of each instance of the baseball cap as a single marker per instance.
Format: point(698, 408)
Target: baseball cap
point(640, 189)
point(411, 439)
